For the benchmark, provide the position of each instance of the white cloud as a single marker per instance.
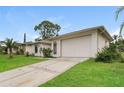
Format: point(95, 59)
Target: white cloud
point(116, 32)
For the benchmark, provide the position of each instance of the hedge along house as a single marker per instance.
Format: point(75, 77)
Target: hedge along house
point(83, 43)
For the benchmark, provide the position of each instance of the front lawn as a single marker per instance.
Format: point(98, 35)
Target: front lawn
point(90, 73)
point(17, 61)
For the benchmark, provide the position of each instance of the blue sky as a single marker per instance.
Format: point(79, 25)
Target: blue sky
point(14, 21)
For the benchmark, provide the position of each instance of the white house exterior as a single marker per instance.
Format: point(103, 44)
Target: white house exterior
point(83, 43)
point(34, 48)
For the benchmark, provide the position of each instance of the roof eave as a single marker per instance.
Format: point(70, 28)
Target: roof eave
point(102, 28)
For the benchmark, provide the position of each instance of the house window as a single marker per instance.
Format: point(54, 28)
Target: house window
point(54, 47)
point(36, 49)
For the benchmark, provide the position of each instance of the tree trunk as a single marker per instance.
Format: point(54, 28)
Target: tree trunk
point(10, 53)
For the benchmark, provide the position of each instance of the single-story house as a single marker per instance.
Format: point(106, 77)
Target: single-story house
point(2, 44)
point(14, 50)
point(83, 43)
point(34, 48)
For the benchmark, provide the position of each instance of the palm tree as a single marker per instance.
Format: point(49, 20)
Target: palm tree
point(118, 11)
point(10, 44)
point(115, 37)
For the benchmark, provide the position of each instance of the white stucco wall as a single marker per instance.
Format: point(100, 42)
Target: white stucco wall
point(31, 49)
point(38, 53)
point(41, 46)
point(102, 41)
point(99, 41)
point(58, 54)
point(94, 44)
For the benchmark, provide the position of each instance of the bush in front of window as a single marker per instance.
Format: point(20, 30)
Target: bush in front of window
point(47, 52)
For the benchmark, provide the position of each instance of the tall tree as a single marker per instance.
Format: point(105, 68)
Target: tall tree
point(57, 27)
point(118, 11)
point(10, 44)
point(47, 29)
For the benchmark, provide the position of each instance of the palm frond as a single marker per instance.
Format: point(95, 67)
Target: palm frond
point(121, 28)
point(119, 10)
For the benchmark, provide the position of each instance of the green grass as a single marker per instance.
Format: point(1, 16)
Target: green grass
point(90, 74)
point(17, 61)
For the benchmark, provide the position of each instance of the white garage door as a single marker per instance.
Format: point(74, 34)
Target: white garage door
point(77, 47)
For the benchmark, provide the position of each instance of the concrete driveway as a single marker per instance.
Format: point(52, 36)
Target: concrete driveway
point(36, 74)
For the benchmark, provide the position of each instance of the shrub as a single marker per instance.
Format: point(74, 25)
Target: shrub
point(21, 51)
point(17, 52)
point(108, 54)
point(27, 54)
point(104, 56)
point(120, 45)
point(122, 60)
point(121, 57)
point(32, 54)
point(46, 52)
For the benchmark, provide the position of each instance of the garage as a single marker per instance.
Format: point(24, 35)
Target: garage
point(82, 43)
point(76, 47)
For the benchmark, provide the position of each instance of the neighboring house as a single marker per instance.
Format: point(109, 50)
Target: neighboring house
point(2, 47)
point(20, 46)
point(2, 44)
point(83, 43)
